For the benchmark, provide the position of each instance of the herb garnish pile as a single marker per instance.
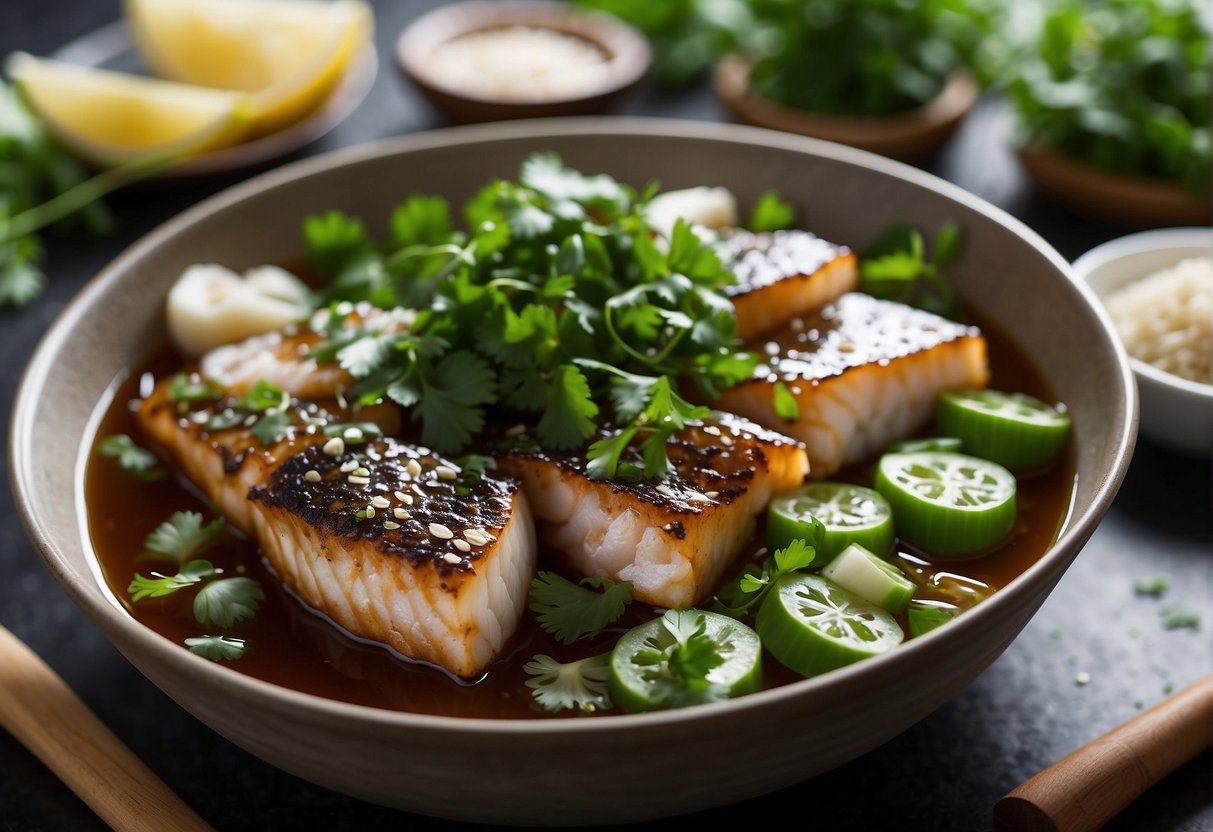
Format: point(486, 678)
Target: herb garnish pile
point(559, 306)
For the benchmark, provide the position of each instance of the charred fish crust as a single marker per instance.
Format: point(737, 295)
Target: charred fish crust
point(405, 500)
point(764, 258)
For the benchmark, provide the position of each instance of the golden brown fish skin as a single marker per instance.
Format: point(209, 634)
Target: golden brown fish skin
point(286, 357)
point(383, 576)
point(403, 549)
point(674, 538)
point(782, 275)
point(864, 373)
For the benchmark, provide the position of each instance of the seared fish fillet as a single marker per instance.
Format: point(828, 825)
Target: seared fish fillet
point(672, 539)
point(285, 357)
point(783, 275)
point(864, 372)
point(389, 540)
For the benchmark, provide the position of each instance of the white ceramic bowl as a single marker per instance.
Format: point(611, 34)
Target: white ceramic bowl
point(1175, 412)
point(616, 768)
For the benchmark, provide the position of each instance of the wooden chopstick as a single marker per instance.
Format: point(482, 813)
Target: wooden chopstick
point(1084, 790)
point(39, 709)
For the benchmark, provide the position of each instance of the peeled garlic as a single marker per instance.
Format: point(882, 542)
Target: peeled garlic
point(709, 207)
point(211, 305)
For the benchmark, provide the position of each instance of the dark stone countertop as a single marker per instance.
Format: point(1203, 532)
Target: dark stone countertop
point(945, 773)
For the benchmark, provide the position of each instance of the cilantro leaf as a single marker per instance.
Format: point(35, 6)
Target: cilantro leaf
point(421, 221)
point(785, 403)
point(680, 660)
point(569, 416)
point(895, 267)
point(334, 241)
point(1177, 615)
point(261, 397)
point(1155, 586)
point(224, 602)
point(271, 428)
point(771, 213)
point(923, 618)
point(572, 611)
point(580, 685)
point(160, 585)
point(183, 536)
point(217, 648)
point(746, 591)
point(450, 407)
point(191, 388)
point(138, 462)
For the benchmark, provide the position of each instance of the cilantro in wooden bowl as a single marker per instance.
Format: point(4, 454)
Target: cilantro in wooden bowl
point(1112, 98)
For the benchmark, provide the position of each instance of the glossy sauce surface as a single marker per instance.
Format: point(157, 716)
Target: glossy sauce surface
point(295, 647)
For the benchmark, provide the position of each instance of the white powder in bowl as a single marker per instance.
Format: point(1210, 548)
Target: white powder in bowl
point(1166, 319)
point(520, 63)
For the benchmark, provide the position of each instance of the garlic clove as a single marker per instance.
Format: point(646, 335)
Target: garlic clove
point(708, 207)
point(211, 305)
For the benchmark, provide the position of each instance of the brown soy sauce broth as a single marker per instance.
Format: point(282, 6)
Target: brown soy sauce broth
point(295, 647)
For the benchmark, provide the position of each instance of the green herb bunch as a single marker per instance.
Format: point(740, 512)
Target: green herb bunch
point(1119, 84)
point(33, 170)
point(558, 306)
point(864, 57)
point(687, 36)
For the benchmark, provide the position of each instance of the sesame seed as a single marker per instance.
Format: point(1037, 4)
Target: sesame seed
point(390, 525)
point(407, 499)
point(380, 501)
point(312, 476)
point(354, 480)
point(348, 466)
point(696, 497)
point(463, 546)
point(476, 537)
point(310, 430)
point(1082, 678)
point(369, 512)
point(847, 346)
point(250, 420)
point(665, 489)
point(361, 472)
point(353, 434)
point(413, 468)
point(726, 440)
point(200, 417)
point(445, 472)
point(335, 446)
point(401, 514)
point(440, 531)
point(771, 348)
point(452, 558)
point(712, 494)
point(711, 430)
point(517, 430)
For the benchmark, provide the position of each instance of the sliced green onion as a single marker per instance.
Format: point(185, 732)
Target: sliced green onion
point(862, 573)
point(812, 625)
point(846, 513)
point(638, 685)
point(1015, 430)
point(924, 616)
point(948, 504)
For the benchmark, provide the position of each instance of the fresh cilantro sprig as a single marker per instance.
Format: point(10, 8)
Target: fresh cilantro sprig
point(580, 685)
point(678, 665)
point(217, 648)
point(572, 611)
point(895, 267)
point(557, 300)
point(183, 536)
point(746, 592)
point(139, 462)
point(771, 213)
point(219, 601)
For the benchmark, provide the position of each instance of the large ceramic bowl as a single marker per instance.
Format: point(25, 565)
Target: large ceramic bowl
point(580, 771)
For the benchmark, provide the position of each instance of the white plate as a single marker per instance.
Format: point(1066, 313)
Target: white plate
point(1175, 412)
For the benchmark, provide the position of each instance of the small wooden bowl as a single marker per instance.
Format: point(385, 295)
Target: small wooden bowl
point(628, 57)
point(1133, 201)
point(911, 135)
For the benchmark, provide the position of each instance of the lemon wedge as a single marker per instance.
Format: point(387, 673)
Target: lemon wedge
point(109, 118)
point(288, 54)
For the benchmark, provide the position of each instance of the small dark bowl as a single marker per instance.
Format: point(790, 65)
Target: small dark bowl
point(627, 51)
